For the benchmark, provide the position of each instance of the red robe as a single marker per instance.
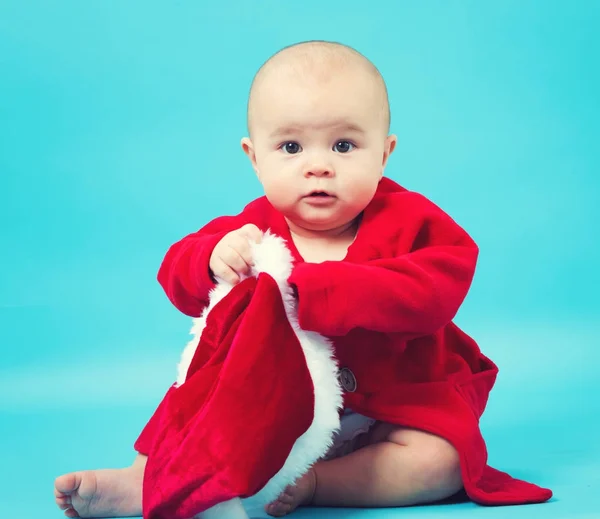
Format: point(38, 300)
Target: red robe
point(388, 308)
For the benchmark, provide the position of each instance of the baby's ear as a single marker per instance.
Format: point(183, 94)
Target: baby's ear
point(248, 148)
point(389, 147)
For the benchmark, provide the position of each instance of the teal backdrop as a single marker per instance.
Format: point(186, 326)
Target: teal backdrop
point(120, 125)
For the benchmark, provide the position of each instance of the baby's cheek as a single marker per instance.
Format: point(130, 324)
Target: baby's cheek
point(365, 186)
point(281, 195)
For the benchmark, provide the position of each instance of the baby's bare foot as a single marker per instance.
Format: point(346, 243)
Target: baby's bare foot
point(292, 497)
point(101, 493)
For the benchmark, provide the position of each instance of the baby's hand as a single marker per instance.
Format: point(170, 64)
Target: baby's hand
point(232, 256)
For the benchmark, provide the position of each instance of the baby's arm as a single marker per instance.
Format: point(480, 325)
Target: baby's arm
point(413, 293)
point(185, 273)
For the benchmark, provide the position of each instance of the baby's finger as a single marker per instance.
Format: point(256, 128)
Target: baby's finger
point(252, 232)
point(242, 246)
point(235, 260)
point(225, 272)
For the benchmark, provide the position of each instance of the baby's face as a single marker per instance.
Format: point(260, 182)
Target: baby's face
point(319, 147)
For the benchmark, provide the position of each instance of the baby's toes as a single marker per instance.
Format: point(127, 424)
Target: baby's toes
point(66, 484)
point(287, 497)
point(63, 502)
point(279, 508)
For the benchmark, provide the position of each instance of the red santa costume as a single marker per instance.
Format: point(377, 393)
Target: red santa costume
point(387, 308)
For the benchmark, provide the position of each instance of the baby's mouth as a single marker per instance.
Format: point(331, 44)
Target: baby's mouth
point(319, 194)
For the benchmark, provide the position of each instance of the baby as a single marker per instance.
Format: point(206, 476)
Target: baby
point(318, 119)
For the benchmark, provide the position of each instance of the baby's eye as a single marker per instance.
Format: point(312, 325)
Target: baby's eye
point(291, 147)
point(343, 146)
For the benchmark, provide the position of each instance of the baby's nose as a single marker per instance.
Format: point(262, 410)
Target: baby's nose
point(319, 170)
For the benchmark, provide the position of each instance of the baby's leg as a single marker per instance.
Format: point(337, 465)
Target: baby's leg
point(396, 467)
point(102, 493)
point(399, 467)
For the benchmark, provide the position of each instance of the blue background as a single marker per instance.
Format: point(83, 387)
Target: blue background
point(119, 133)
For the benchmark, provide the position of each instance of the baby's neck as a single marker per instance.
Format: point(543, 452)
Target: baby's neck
point(324, 245)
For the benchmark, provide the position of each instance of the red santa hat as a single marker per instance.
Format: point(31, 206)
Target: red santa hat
point(257, 400)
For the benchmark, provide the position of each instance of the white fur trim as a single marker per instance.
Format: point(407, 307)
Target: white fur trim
point(272, 257)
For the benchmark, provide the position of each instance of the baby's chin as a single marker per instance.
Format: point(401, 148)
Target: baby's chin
point(319, 224)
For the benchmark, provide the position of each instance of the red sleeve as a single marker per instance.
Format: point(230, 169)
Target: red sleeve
point(185, 274)
point(414, 293)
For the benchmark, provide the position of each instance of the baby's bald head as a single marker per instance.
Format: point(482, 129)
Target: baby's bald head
point(315, 63)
